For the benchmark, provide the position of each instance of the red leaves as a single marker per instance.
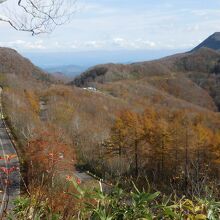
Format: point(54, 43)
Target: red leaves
point(49, 152)
point(78, 181)
point(70, 178)
point(7, 158)
point(7, 171)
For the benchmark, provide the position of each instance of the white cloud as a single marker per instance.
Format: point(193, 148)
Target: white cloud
point(106, 26)
point(120, 42)
point(18, 44)
point(134, 43)
point(114, 43)
point(94, 44)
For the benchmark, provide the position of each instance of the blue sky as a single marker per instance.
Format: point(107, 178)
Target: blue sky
point(120, 24)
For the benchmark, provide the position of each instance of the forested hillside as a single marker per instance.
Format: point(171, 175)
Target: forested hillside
point(12, 63)
point(173, 114)
point(154, 122)
point(174, 74)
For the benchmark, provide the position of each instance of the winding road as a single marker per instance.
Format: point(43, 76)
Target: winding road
point(9, 168)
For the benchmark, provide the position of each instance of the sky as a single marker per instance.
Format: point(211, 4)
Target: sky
point(124, 25)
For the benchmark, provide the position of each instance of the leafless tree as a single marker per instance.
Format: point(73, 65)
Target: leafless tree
point(36, 16)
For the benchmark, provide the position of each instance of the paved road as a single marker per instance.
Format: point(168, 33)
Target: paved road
point(9, 169)
point(82, 176)
point(43, 110)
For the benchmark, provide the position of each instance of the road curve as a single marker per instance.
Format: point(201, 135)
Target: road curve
point(9, 168)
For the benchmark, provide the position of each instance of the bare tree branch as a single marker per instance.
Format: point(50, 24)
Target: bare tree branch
point(37, 16)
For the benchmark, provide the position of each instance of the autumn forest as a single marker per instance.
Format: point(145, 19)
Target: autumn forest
point(153, 124)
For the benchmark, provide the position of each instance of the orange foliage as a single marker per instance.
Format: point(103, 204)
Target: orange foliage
point(159, 141)
point(48, 152)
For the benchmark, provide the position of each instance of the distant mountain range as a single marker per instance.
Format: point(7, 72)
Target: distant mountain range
point(67, 70)
point(80, 61)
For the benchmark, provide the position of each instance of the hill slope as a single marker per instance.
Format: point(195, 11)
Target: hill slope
point(190, 77)
point(11, 62)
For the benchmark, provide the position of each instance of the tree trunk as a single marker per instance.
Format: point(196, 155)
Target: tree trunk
point(136, 159)
point(186, 156)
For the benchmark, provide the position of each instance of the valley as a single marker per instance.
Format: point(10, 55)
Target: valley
point(109, 110)
point(151, 122)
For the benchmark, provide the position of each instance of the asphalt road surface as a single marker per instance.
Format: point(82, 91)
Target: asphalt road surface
point(9, 169)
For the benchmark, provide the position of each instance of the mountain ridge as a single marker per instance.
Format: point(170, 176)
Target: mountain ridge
point(212, 42)
point(11, 62)
point(189, 76)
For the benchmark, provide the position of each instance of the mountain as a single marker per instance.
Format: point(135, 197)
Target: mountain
point(212, 42)
point(188, 77)
point(67, 70)
point(12, 63)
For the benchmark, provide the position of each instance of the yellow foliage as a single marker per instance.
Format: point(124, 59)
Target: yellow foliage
point(33, 100)
point(64, 112)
